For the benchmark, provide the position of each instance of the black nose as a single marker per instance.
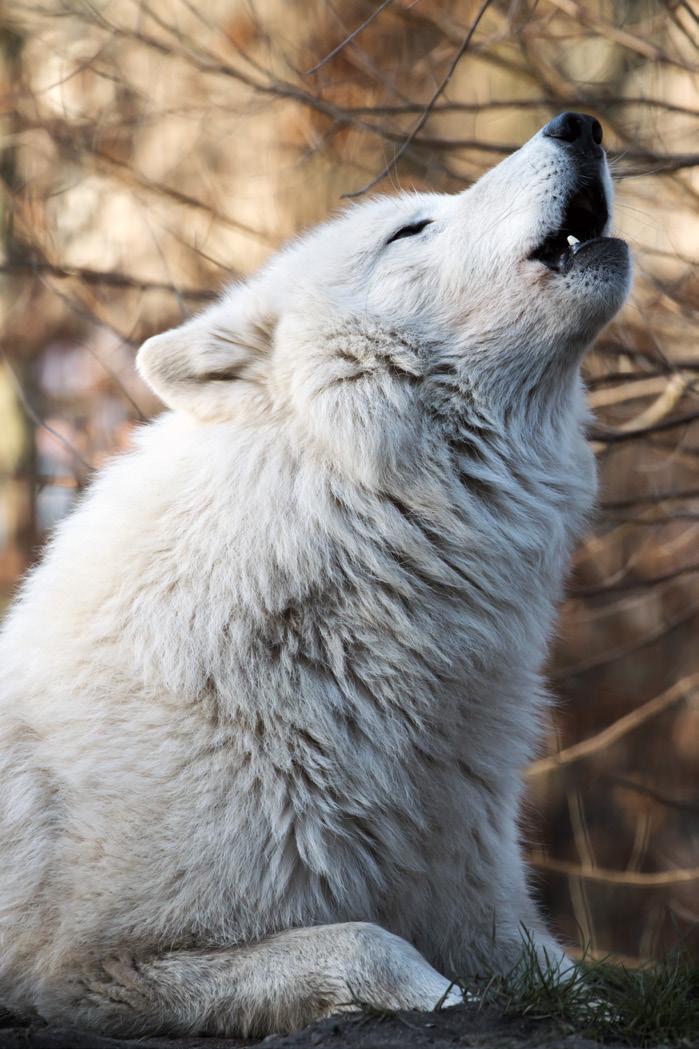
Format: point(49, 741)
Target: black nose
point(581, 132)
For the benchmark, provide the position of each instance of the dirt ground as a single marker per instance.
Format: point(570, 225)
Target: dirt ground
point(465, 1026)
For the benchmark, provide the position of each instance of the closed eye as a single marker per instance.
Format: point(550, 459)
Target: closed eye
point(409, 231)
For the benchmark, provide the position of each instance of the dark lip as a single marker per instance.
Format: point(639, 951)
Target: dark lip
point(584, 218)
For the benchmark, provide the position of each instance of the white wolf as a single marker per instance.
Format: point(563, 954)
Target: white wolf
point(266, 701)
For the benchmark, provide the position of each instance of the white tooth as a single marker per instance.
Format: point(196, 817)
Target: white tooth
point(572, 240)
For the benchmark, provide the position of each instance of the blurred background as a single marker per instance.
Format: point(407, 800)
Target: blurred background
point(155, 149)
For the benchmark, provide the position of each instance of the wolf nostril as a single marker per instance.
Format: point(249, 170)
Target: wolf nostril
point(578, 129)
point(567, 126)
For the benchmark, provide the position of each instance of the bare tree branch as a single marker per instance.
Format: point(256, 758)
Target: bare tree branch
point(428, 108)
point(112, 278)
point(617, 436)
point(348, 39)
point(629, 879)
point(633, 584)
point(38, 421)
point(681, 690)
point(608, 656)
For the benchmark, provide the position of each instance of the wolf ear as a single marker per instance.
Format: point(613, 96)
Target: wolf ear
point(210, 362)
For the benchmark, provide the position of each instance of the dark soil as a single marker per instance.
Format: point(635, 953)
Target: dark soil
point(464, 1026)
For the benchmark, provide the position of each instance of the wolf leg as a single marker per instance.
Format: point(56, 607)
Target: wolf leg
point(278, 984)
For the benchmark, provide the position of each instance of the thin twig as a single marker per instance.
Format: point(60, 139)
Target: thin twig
point(112, 278)
point(605, 658)
point(650, 497)
point(617, 436)
point(38, 421)
point(428, 108)
point(616, 731)
point(632, 879)
point(349, 38)
point(633, 584)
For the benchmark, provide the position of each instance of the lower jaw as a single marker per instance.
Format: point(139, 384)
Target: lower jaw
point(609, 251)
point(561, 260)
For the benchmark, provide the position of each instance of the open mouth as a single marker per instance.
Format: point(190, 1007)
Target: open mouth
point(584, 219)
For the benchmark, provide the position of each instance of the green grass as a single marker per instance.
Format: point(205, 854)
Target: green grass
point(648, 1006)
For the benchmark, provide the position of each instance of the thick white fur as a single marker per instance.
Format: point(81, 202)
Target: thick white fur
point(266, 701)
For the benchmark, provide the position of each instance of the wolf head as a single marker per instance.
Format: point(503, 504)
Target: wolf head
point(417, 303)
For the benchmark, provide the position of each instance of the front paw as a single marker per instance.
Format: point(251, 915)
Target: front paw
point(451, 997)
point(551, 960)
